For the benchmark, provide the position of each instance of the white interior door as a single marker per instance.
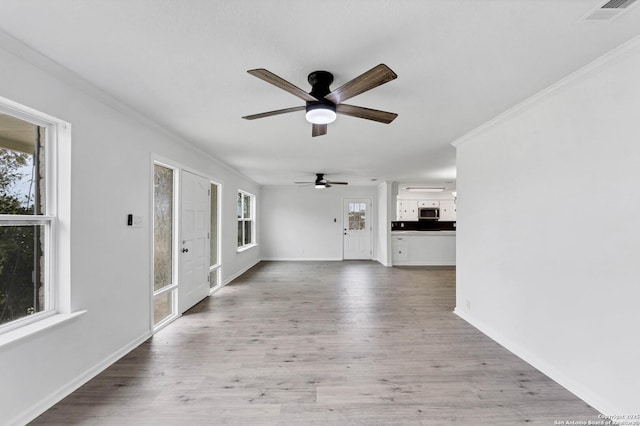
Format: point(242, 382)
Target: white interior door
point(357, 228)
point(194, 250)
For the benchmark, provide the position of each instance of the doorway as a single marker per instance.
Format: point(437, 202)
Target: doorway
point(357, 228)
point(194, 247)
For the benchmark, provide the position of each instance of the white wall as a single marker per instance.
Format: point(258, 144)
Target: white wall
point(386, 213)
point(297, 223)
point(548, 234)
point(110, 263)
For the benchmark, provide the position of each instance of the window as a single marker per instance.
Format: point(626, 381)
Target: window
point(164, 283)
point(214, 238)
point(357, 216)
point(32, 188)
point(246, 221)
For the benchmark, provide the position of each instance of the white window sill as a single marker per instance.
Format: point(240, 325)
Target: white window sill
point(11, 337)
point(245, 248)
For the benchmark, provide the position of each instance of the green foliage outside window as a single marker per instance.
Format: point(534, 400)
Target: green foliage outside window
point(20, 245)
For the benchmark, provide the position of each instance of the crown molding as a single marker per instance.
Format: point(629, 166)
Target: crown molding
point(78, 82)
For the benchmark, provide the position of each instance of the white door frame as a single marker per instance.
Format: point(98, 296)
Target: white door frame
point(178, 168)
point(369, 223)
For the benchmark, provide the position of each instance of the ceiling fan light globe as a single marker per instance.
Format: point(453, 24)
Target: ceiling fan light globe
point(320, 186)
point(320, 114)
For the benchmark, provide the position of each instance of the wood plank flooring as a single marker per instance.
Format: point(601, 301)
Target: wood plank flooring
point(322, 343)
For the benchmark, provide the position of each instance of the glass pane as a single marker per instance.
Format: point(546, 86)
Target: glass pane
point(247, 207)
point(22, 291)
point(239, 205)
point(240, 239)
point(213, 278)
point(247, 232)
point(213, 226)
point(162, 306)
point(162, 227)
point(353, 225)
point(22, 184)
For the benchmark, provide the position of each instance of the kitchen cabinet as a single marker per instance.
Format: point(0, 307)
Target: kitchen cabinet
point(429, 203)
point(423, 248)
point(447, 210)
point(400, 250)
point(407, 210)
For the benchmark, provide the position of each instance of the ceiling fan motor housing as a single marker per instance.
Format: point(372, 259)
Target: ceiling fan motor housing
point(320, 82)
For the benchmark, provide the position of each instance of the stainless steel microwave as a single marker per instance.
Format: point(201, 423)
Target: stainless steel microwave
point(428, 213)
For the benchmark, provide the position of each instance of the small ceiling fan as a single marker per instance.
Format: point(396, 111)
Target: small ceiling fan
point(322, 104)
point(321, 182)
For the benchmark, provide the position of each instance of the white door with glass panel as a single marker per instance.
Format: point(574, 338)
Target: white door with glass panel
point(194, 248)
point(357, 228)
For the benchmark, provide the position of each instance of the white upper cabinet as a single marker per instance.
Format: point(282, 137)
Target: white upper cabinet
point(429, 203)
point(447, 210)
point(407, 210)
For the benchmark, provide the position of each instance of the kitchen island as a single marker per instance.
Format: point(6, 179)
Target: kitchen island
point(423, 248)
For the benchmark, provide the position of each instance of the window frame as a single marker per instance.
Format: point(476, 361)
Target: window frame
point(56, 222)
point(215, 270)
point(251, 219)
point(173, 287)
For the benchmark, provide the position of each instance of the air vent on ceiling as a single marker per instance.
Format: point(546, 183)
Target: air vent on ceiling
point(608, 11)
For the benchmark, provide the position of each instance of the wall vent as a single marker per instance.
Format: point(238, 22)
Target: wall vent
point(608, 11)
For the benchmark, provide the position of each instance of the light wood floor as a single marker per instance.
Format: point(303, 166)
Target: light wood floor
point(327, 343)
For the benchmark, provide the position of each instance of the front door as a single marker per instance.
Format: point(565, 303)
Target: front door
point(357, 228)
point(194, 247)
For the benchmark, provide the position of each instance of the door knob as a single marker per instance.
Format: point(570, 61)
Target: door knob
point(184, 250)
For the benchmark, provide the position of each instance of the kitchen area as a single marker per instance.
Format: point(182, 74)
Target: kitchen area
point(424, 232)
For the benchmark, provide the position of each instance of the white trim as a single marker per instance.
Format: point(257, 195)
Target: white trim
point(57, 396)
point(217, 268)
point(252, 218)
point(246, 247)
point(57, 217)
point(550, 90)
point(24, 332)
point(23, 51)
point(606, 407)
point(173, 287)
point(370, 219)
point(303, 259)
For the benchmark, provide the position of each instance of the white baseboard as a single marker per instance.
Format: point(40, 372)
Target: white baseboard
point(74, 384)
point(605, 407)
point(302, 259)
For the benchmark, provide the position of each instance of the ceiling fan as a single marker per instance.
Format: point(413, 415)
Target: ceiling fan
point(321, 182)
point(322, 104)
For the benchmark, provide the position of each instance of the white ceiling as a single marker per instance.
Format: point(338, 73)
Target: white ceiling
point(183, 64)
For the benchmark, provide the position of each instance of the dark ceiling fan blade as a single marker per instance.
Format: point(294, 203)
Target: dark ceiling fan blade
point(375, 77)
point(366, 113)
point(301, 183)
point(318, 130)
point(276, 112)
point(337, 183)
point(280, 82)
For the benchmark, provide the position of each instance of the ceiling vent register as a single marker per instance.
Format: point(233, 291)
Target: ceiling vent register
point(609, 10)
